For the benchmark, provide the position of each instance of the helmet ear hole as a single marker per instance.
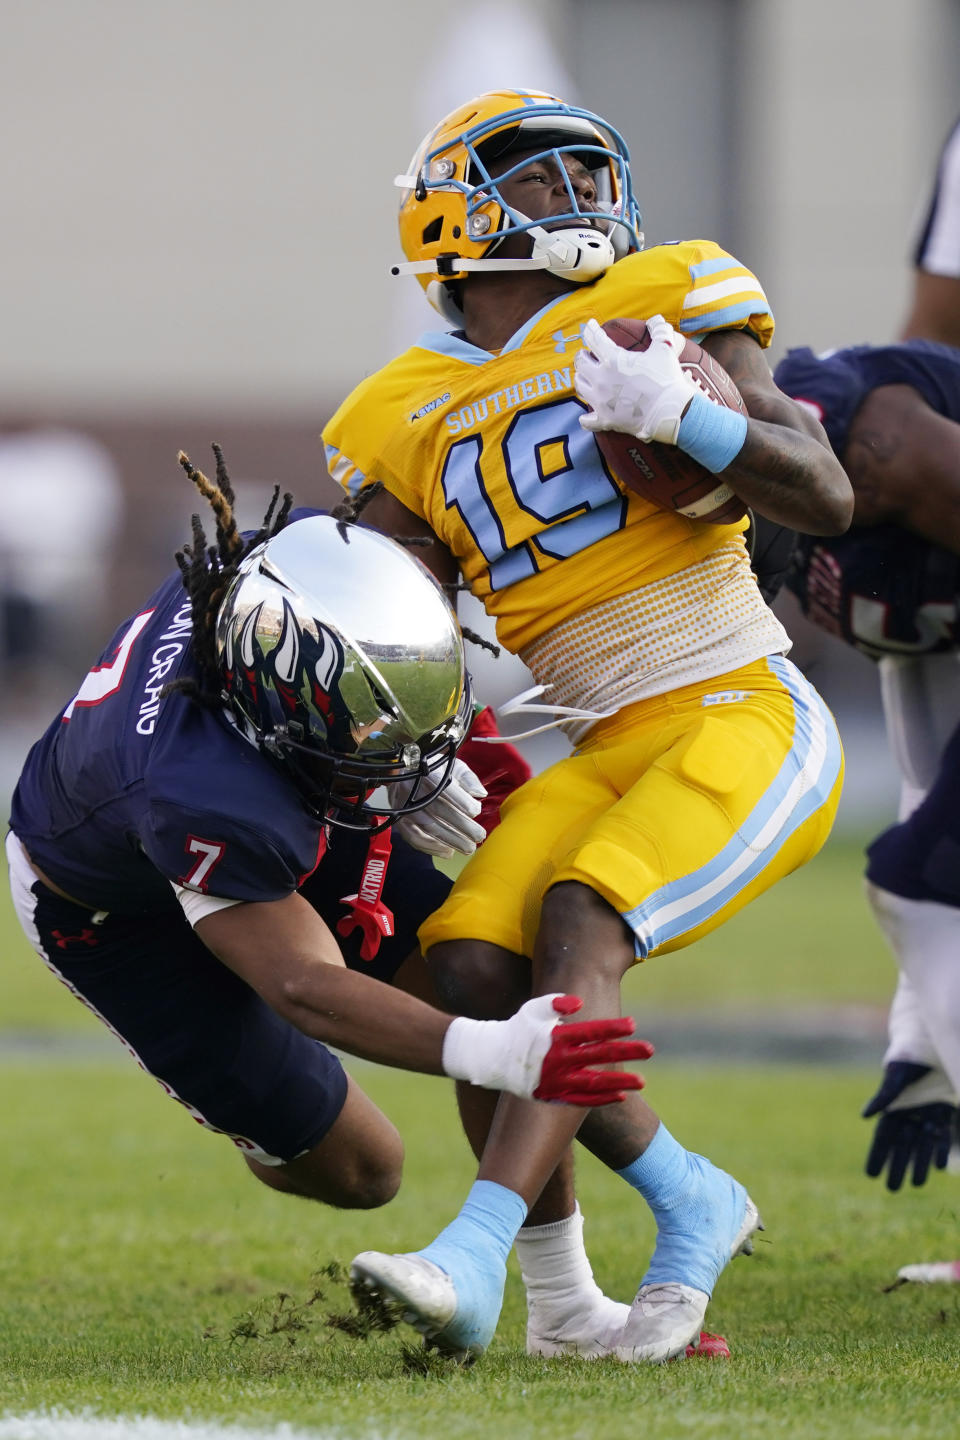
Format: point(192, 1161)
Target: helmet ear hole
point(432, 232)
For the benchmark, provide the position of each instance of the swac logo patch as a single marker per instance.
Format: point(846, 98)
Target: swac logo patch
point(430, 406)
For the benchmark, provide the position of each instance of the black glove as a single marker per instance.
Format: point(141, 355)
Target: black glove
point(915, 1134)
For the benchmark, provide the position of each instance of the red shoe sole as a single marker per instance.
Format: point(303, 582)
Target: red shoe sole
point(712, 1347)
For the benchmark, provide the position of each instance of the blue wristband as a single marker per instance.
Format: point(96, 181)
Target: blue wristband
point(712, 434)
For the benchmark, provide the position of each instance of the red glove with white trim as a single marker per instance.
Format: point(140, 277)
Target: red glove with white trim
point(534, 1057)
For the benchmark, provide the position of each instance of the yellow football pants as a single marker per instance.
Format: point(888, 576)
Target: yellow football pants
point(678, 811)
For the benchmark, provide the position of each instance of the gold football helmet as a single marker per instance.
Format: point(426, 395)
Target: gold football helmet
point(452, 215)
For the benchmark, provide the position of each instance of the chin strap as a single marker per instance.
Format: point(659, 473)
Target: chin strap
point(367, 909)
point(578, 253)
point(457, 265)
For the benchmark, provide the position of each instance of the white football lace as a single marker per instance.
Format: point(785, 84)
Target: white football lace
point(521, 705)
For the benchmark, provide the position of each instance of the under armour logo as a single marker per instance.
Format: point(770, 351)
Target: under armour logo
point(560, 341)
point(86, 937)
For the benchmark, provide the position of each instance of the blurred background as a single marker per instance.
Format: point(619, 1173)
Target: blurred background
point(199, 218)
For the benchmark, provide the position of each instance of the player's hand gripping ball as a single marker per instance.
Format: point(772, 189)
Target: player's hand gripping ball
point(662, 473)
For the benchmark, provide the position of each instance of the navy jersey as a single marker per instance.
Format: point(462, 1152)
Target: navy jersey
point(878, 588)
point(126, 792)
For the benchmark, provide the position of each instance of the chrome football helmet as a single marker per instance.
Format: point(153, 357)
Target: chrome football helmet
point(342, 659)
point(453, 216)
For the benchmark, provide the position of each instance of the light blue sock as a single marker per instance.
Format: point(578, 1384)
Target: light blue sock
point(698, 1209)
point(473, 1251)
point(661, 1173)
point(711, 433)
point(484, 1230)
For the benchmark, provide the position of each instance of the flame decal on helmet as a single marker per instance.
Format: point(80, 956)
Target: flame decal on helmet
point(286, 657)
point(248, 655)
point(304, 672)
point(247, 634)
point(329, 662)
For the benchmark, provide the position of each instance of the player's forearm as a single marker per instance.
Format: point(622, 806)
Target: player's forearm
point(366, 1018)
point(284, 951)
point(936, 309)
point(786, 469)
point(792, 479)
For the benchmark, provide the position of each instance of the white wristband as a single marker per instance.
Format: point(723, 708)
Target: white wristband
point(502, 1054)
point(467, 1050)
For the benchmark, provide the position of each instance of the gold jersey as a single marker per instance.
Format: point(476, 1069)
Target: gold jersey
point(488, 449)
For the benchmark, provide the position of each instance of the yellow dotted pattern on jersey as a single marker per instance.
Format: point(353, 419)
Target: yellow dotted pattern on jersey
point(705, 620)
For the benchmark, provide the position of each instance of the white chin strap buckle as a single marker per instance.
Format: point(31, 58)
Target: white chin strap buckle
point(575, 253)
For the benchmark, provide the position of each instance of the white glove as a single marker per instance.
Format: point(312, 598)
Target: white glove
point(536, 1056)
point(447, 823)
point(640, 392)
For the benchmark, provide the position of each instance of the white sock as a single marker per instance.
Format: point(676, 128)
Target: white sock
point(563, 1299)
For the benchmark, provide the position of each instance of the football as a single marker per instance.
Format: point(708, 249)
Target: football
point(663, 474)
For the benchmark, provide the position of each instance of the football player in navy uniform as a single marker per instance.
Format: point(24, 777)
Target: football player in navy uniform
point(183, 834)
point(935, 305)
point(890, 587)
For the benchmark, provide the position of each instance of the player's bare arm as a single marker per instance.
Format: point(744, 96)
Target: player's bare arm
point(786, 469)
point(284, 951)
point(903, 459)
point(936, 309)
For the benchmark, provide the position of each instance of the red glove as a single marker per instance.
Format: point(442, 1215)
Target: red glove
point(531, 1056)
point(498, 766)
point(575, 1047)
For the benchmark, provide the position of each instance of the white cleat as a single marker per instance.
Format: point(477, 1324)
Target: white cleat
point(428, 1300)
point(424, 1291)
point(663, 1321)
point(667, 1316)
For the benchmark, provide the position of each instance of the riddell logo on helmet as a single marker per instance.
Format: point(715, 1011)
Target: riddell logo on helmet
point(430, 405)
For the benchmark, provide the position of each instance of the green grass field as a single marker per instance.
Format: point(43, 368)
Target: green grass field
point(142, 1272)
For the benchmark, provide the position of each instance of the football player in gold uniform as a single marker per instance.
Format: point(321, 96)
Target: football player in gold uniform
point(705, 767)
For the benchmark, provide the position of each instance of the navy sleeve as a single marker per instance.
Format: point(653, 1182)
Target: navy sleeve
point(227, 856)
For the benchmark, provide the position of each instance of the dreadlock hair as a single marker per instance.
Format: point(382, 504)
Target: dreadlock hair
point(349, 511)
point(351, 507)
point(207, 571)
